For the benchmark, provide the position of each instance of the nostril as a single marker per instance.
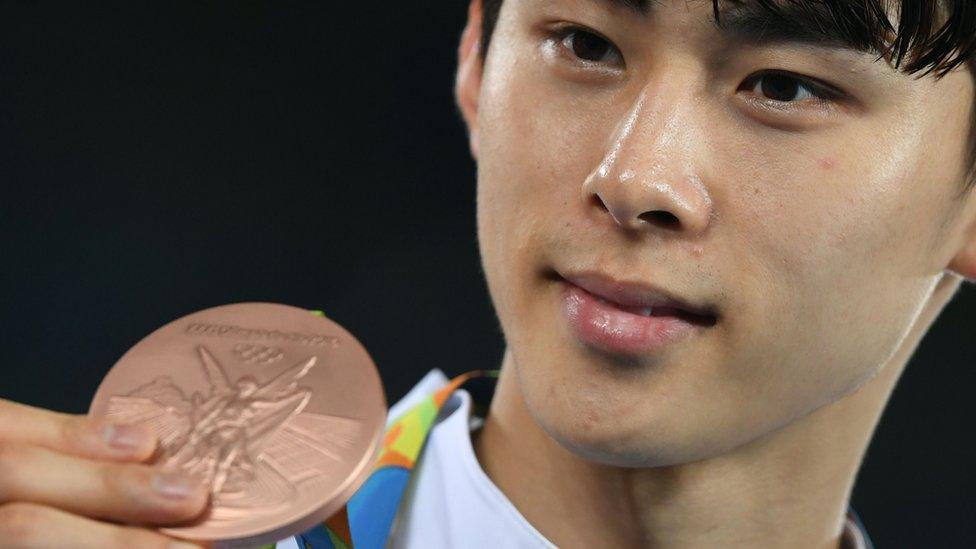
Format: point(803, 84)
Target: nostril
point(599, 202)
point(659, 217)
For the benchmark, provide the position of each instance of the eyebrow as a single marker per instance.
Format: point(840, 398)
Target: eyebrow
point(749, 23)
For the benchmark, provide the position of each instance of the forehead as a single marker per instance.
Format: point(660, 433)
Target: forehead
point(857, 26)
point(874, 7)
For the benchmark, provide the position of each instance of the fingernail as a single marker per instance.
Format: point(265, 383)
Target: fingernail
point(175, 485)
point(182, 545)
point(125, 437)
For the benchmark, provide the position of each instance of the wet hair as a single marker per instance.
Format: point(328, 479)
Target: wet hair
point(933, 36)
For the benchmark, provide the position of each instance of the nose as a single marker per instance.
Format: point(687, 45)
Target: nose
point(646, 180)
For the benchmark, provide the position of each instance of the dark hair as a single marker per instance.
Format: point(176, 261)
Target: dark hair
point(866, 26)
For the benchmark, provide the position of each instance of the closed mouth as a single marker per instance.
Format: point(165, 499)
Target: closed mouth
point(650, 304)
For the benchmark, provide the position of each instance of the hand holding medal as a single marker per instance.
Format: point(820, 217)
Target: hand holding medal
point(235, 426)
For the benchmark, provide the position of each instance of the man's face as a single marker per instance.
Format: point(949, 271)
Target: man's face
point(816, 232)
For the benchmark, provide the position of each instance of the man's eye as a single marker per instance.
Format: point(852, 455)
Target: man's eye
point(589, 47)
point(784, 87)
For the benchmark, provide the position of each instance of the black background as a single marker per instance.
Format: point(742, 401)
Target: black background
point(158, 159)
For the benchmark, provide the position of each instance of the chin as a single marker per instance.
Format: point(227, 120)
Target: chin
point(625, 452)
point(622, 444)
point(648, 411)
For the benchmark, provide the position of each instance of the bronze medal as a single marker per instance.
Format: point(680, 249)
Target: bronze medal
point(281, 411)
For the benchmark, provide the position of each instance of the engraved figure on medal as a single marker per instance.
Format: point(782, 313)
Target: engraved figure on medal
point(250, 441)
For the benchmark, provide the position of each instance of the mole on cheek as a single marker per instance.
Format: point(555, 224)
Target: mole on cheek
point(827, 162)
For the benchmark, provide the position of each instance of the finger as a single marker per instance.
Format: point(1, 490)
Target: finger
point(124, 492)
point(29, 526)
point(74, 434)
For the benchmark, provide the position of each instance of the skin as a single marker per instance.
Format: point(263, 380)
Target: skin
point(829, 243)
point(69, 481)
point(829, 239)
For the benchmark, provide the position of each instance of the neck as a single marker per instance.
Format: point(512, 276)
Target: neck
point(790, 488)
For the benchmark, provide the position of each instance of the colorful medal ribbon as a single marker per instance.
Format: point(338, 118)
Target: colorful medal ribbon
point(372, 509)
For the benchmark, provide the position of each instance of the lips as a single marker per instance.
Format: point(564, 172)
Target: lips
point(658, 311)
point(628, 318)
point(641, 298)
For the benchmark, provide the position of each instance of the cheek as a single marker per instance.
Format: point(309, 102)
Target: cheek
point(835, 272)
point(537, 149)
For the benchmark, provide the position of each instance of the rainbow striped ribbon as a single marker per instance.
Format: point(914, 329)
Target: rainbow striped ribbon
point(371, 510)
